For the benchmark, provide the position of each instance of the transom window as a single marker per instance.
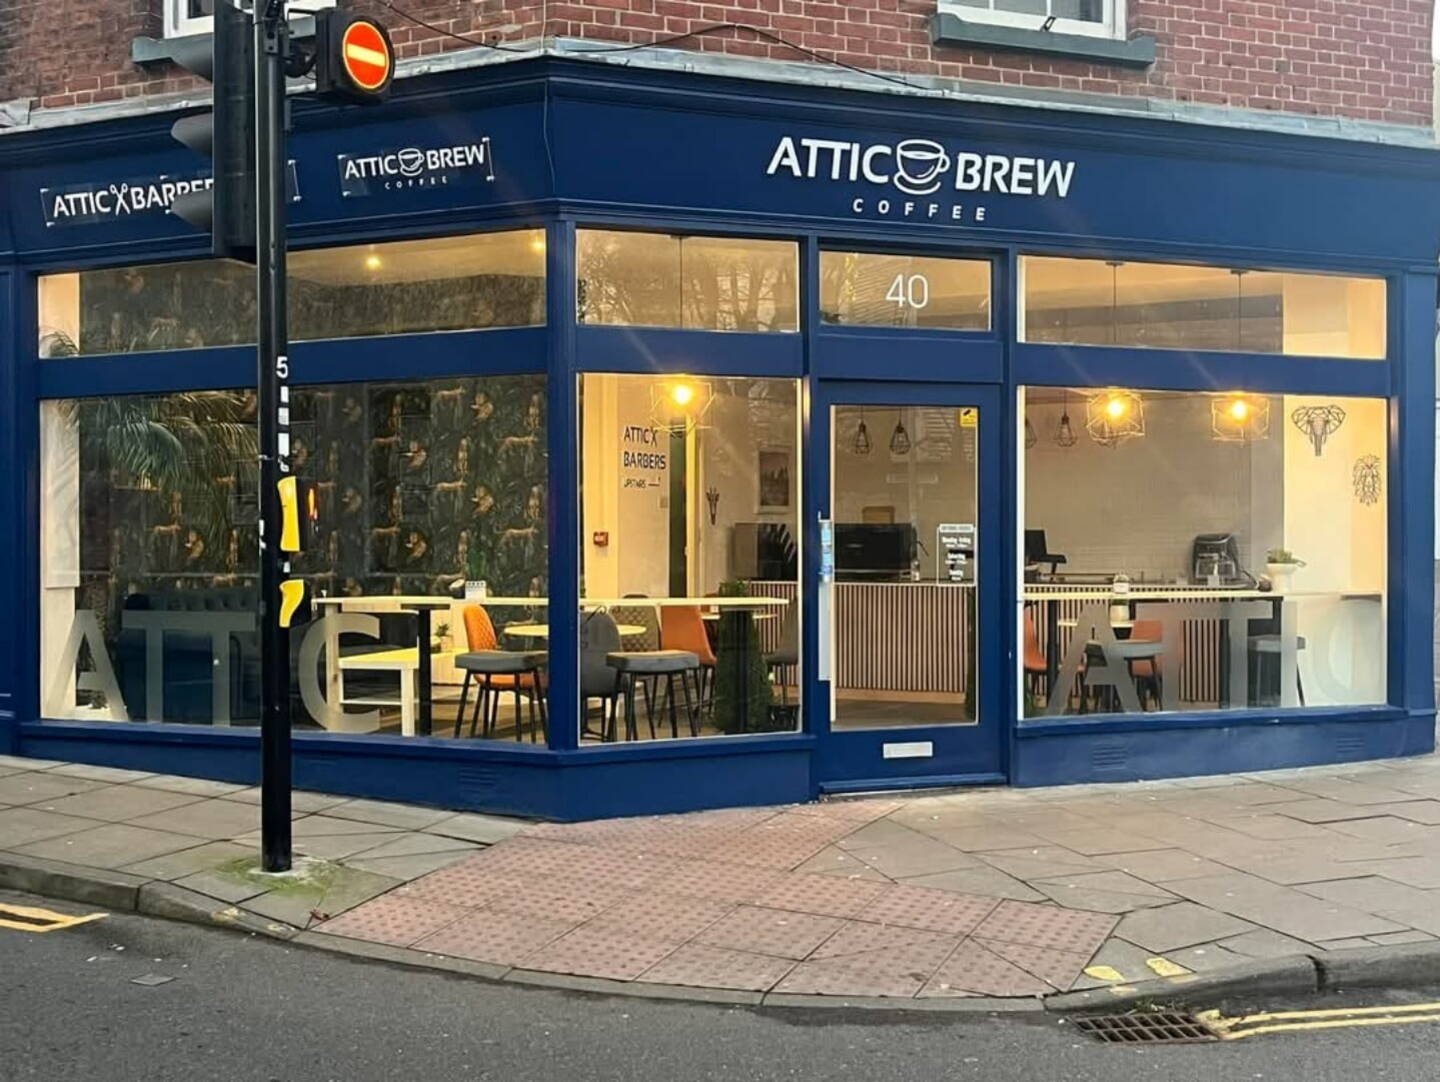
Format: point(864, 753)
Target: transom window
point(1099, 18)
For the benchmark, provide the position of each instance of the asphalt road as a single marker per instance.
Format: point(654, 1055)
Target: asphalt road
point(242, 1009)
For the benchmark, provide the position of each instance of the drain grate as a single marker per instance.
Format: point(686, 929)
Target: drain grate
point(1156, 1027)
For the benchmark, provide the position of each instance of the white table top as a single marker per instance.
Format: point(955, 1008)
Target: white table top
point(412, 601)
point(542, 631)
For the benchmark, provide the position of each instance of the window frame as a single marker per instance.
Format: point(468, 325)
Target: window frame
point(179, 23)
point(1112, 26)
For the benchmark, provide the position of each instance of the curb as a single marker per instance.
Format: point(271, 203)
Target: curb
point(1295, 974)
point(1402, 965)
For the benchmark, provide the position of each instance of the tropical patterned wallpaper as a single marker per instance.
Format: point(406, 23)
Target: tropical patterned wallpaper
point(420, 484)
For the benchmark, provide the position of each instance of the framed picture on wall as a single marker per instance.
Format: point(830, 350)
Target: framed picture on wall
point(773, 471)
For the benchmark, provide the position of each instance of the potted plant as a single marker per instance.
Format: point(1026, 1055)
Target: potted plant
point(1280, 565)
point(476, 588)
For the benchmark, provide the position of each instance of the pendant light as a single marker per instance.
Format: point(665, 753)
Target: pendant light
point(1239, 417)
point(1064, 432)
point(1114, 416)
point(862, 445)
point(900, 439)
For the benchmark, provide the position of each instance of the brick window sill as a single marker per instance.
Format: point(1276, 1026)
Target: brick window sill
point(946, 28)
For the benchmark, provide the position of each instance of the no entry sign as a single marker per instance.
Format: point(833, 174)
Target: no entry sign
point(365, 52)
point(354, 59)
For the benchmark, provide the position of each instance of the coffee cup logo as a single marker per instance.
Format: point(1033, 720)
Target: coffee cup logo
point(412, 161)
point(919, 166)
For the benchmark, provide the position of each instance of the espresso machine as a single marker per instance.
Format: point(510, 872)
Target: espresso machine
point(1215, 560)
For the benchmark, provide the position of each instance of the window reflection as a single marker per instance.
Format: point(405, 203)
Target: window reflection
point(690, 560)
point(442, 284)
point(700, 283)
point(866, 289)
point(1179, 306)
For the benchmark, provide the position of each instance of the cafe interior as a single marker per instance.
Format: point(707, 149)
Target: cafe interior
point(1182, 551)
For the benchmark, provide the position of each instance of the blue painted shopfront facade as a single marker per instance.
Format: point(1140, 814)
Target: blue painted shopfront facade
point(571, 145)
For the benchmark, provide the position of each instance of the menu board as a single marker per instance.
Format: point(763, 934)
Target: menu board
point(954, 549)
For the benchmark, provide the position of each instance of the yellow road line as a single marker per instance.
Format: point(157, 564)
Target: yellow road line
point(53, 922)
point(1231, 1029)
point(1336, 1023)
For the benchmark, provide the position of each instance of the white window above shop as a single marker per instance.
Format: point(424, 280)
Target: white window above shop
point(193, 16)
point(1096, 18)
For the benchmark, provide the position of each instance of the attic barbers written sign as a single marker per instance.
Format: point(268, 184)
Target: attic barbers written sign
point(919, 178)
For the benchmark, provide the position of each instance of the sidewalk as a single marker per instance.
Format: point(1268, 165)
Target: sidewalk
point(985, 893)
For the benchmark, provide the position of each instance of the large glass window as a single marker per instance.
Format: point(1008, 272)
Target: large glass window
point(701, 283)
point(444, 284)
point(149, 562)
point(690, 547)
point(1178, 306)
point(1191, 551)
point(867, 289)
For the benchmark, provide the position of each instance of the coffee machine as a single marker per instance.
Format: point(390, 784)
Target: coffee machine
point(1215, 560)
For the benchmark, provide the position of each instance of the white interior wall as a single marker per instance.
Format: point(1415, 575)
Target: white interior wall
point(1137, 507)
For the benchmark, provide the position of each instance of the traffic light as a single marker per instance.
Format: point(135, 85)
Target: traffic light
point(354, 58)
point(225, 135)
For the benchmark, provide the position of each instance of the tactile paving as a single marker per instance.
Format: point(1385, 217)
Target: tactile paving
point(858, 937)
point(1059, 969)
point(699, 966)
point(722, 882)
point(974, 969)
point(770, 931)
point(398, 921)
point(1047, 926)
point(662, 916)
point(489, 936)
point(923, 907)
point(899, 973)
point(828, 895)
point(599, 952)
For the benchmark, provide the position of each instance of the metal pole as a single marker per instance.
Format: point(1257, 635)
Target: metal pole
point(273, 416)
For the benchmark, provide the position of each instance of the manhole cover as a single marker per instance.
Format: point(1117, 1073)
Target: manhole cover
point(1157, 1027)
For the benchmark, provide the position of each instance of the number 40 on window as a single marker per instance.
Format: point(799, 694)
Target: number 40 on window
point(909, 291)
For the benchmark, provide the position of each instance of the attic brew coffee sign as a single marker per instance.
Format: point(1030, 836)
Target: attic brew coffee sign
point(919, 179)
point(416, 167)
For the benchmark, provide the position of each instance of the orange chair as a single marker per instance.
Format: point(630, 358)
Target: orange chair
point(1037, 668)
point(682, 628)
point(480, 636)
point(1148, 671)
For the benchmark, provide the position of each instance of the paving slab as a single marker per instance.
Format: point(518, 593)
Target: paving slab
point(1046, 862)
point(1319, 810)
point(485, 829)
point(223, 887)
point(1158, 865)
point(1389, 828)
point(1282, 909)
point(695, 965)
point(300, 906)
point(1183, 924)
point(301, 800)
point(986, 881)
point(112, 774)
point(174, 783)
point(881, 832)
point(405, 868)
point(206, 818)
point(185, 862)
point(1374, 893)
point(1264, 943)
point(384, 813)
point(20, 826)
point(118, 803)
point(36, 788)
point(900, 859)
point(835, 861)
point(113, 845)
point(19, 762)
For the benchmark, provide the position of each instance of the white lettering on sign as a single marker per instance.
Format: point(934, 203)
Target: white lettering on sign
point(415, 167)
point(920, 167)
point(91, 204)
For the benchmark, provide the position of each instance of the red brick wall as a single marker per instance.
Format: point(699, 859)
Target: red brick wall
point(1322, 57)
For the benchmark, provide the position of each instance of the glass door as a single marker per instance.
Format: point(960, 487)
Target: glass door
point(907, 615)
